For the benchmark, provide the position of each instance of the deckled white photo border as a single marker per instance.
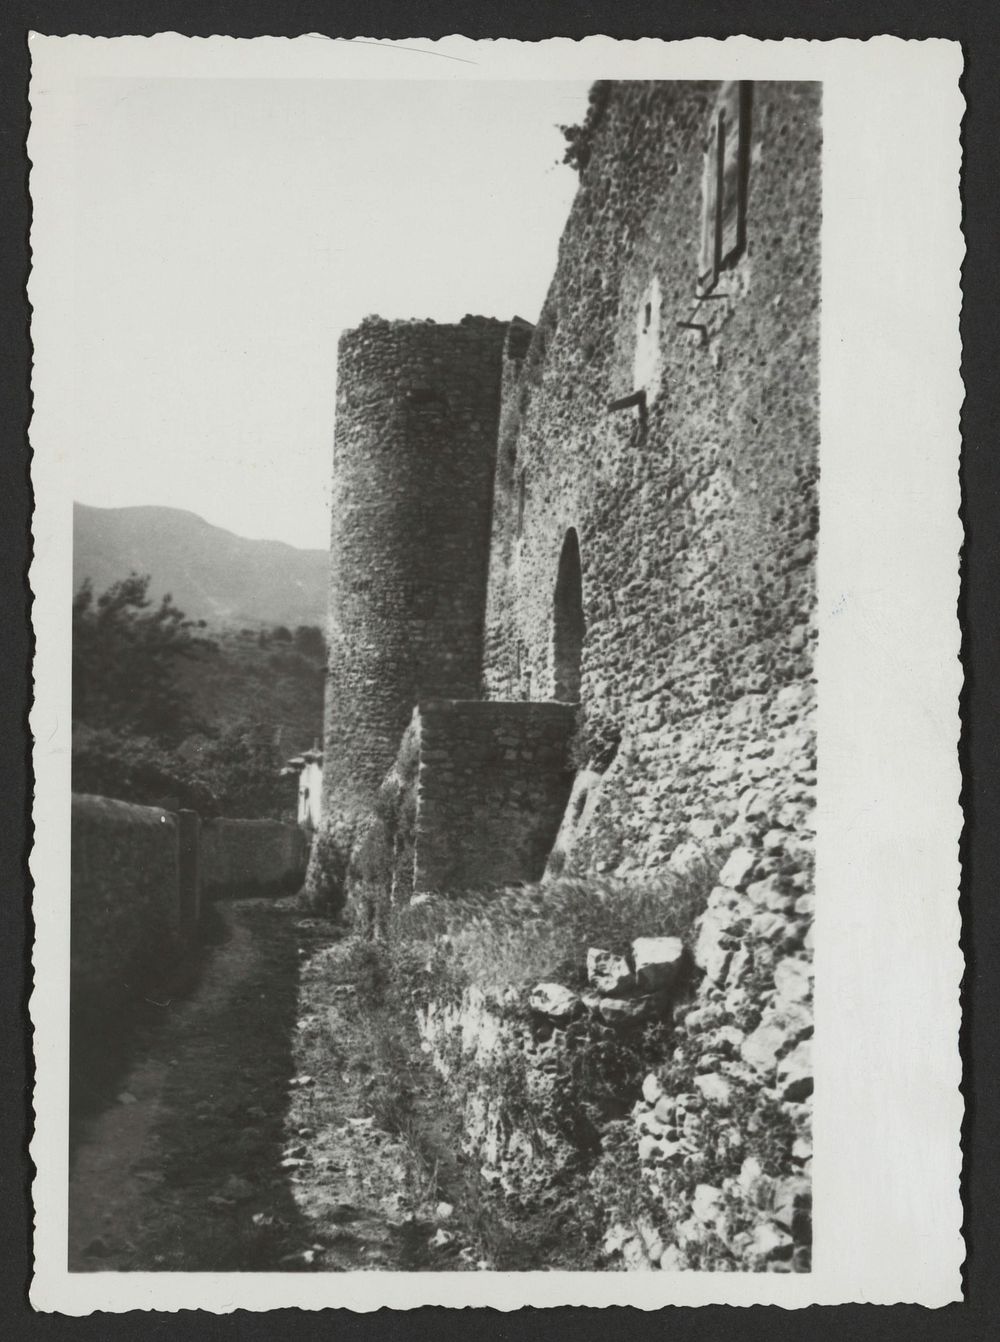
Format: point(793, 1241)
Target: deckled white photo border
point(887, 1212)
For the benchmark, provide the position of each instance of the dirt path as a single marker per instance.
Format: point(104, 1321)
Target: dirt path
point(238, 1137)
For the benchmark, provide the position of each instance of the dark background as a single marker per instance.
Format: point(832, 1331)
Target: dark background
point(977, 27)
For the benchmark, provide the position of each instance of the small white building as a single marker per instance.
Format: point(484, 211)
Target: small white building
point(309, 768)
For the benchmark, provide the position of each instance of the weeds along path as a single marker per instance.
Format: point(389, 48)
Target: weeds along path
point(241, 1134)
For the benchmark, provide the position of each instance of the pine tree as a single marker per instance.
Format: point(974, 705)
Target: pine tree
point(126, 654)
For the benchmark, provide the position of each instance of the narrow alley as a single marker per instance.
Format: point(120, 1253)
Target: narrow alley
point(235, 1135)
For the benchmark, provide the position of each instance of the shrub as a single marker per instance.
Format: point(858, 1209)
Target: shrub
point(579, 138)
point(291, 664)
point(127, 653)
point(311, 641)
point(139, 770)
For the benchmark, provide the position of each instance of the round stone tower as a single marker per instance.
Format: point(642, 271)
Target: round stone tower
point(413, 460)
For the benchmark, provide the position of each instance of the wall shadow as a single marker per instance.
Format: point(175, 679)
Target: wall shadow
point(107, 1038)
point(207, 1191)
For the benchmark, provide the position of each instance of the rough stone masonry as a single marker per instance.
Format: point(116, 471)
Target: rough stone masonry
point(617, 508)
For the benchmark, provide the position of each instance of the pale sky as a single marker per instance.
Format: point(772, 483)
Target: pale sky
point(219, 234)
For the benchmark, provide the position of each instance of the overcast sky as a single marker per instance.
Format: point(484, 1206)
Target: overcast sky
point(221, 233)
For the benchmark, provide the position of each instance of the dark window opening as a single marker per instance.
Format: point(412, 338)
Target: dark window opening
point(708, 266)
point(647, 316)
point(522, 489)
point(725, 183)
point(568, 622)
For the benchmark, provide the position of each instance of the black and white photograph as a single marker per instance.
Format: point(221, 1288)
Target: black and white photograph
point(463, 801)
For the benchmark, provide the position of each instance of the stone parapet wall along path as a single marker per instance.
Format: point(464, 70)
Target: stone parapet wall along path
point(252, 856)
point(138, 878)
point(125, 902)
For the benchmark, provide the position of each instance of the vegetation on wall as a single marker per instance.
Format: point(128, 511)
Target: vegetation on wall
point(579, 138)
point(523, 935)
point(500, 945)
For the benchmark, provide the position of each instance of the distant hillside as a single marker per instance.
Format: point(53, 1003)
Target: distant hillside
point(253, 678)
point(212, 574)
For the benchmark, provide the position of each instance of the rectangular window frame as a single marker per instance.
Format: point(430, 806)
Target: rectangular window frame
point(725, 183)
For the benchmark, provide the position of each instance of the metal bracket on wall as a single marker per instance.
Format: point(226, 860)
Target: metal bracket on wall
point(700, 327)
point(635, 398)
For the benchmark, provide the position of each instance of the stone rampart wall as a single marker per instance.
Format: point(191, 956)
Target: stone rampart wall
point(697, 518)
point(678, 438)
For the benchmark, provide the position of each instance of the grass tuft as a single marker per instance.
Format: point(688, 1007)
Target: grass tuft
point(522, 935)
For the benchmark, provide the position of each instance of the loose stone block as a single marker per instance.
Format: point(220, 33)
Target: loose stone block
point(710, 953)
point(795, 1073)
point(555, 1001)
point(793, 979)
point(652, 1088)
point(706, 1203)
point(658, 961)
point(607, 973)
point(716, 1089)
point(738, 867)
point(768, 1243)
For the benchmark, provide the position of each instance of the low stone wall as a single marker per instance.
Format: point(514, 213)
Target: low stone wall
point(263, 856)
point(139, 877)
point(515, 1060)
point(502, 1078)
point(494, 782)
point(125, 903)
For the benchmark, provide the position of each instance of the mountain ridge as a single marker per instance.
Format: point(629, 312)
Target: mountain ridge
point(210, 572)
